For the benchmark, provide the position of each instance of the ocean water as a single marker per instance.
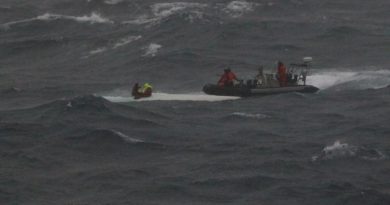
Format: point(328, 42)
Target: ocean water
point(70, 133)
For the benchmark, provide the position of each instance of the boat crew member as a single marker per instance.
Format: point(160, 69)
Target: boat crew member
point(260, 78)
point(282, 73)
point(227, 78)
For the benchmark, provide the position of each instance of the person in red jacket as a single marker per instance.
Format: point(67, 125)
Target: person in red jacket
point(282, 73)
point(227, 78)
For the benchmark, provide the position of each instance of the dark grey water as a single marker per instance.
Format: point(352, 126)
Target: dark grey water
point(70, 133)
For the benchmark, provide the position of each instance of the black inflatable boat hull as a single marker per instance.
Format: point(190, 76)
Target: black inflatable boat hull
point(244, 91)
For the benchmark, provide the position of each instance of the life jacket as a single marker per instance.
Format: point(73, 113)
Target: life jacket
point(227, 78)
point(282, 72)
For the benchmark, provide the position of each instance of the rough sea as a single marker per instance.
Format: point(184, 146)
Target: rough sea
point(71, 134)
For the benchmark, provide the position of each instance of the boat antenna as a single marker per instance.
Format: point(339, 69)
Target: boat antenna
point(307, 65)
point(307, 62)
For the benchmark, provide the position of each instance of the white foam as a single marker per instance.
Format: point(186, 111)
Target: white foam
point(127, 138)
point(6, 26)
point(171, 97)
point(121, 42)
point(152, 49)
point(239, 8)
point(113, 2)
point(98, 50)
point(343, 150)
point(125, 41)
point(249, 115)
point(168, 9)
point(327, 79)
point(160, 11)
point(143, 19)
point(362, 79)
point(339, 150)
point(194, 16)
point(93, 18)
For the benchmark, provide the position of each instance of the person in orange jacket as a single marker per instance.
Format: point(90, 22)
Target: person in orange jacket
point(227, 79)
point(282, 73)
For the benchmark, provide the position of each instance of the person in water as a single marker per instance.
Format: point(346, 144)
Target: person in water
point(227, 79)
point(282, 74)
point(145, 91)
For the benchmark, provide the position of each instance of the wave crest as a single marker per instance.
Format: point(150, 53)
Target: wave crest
point(249, 115)
point(161, 11)
point(125, 97)
point(152, 49)
point(239, 8)
point(93, 18)
point(112, 2)
point(343, 150)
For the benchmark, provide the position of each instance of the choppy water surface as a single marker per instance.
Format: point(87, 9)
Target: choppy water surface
point(70, 133)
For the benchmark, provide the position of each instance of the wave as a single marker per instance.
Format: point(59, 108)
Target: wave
point(88, 110)
point(161, 11)
point(124, 41)
point(249, 115)
point(97, 107)
point(111, 141)
point(11, 90)
point(127, 138)
point(107, 136)
point(242, 184)
point(343, 150)
point(238, 8)
point(102, 140)
point(112, 2)
point(92, 19)
point(171, 97)
point(98, 50)
point(89, 102)
point(120, 43)
point(355, 79)
point(152, 49)
point(167, 9)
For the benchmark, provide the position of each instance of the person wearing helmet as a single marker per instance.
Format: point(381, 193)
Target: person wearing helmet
point(227, 78)
point(145, 91)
